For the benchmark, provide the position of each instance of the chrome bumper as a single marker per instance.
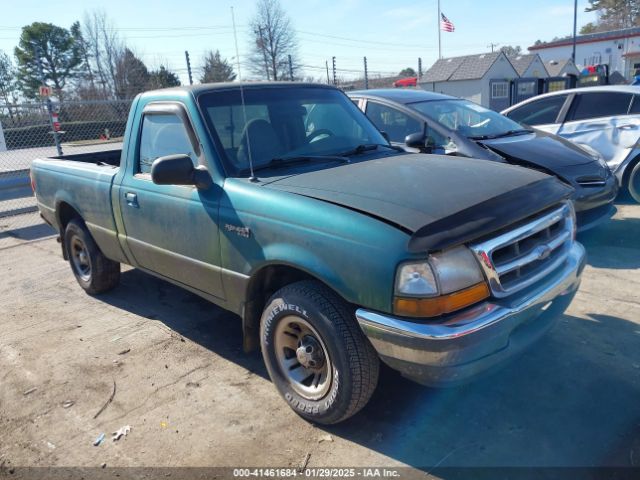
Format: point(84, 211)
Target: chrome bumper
point(467, 343)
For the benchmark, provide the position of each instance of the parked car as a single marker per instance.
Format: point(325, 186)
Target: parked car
point(431, 122)
point(282, 203)
point(606, 118)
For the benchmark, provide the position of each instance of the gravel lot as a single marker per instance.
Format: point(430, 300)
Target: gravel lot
point(192, 398)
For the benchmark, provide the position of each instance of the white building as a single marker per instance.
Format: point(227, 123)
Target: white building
point(483, 79)
point(620, 49)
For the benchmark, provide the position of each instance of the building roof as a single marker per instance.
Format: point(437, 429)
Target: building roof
point(401, 95)
point(555, 67)
point(522, 62)
point(442, 70)
point(589, 38)
point(467, 67)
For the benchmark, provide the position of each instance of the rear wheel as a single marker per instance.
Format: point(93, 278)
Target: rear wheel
point(94, 272)
point(634, 182)
point(316, 355)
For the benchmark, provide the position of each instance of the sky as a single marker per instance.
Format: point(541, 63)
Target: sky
point(391, 34)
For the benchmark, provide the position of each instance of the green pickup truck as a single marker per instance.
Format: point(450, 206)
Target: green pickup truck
point(283, 204)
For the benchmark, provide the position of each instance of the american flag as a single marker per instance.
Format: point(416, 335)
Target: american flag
point(446, 25)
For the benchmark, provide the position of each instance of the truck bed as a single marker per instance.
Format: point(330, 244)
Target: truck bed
point(105, 157)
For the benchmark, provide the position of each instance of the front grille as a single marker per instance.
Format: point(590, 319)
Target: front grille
point(527, 253)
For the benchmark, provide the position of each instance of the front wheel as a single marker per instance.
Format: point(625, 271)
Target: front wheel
point(634, 183)
point(316, 355)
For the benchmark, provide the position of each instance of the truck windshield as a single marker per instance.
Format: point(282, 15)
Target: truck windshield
point(469, 119)
point(279, 122)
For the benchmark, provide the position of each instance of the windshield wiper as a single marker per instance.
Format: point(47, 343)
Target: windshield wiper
point(292, 160)
point(366, 148)
point(508, 133)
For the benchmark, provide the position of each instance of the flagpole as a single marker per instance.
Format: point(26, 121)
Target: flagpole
point(439, 32)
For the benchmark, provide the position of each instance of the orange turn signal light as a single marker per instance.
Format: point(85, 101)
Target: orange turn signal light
point(432, 307)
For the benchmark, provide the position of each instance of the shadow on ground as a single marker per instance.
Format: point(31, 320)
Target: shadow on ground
point(186, 314)
point(614, 244)
point(572, 400)
point(32, 232)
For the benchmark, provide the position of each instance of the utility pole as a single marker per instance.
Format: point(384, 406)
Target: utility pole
point(186, 55)
point(56, 138)
point(492, 46)
point(335, 79)
point(575, 26)
point(264, 54)
point(326, 64)
point(290, 69)
point(366, 75)
point(419, 68)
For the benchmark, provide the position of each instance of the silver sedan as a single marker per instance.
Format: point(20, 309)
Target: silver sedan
point(606, 119)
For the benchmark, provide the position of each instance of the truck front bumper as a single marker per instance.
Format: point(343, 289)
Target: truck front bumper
point(462, 345)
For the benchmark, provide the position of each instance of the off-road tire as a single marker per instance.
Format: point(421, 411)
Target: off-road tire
point(102, 274)
point(353, 361)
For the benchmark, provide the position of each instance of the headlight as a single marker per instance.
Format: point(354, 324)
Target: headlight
point(446, 282)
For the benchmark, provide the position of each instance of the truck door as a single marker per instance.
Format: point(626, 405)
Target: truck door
point(171, 230)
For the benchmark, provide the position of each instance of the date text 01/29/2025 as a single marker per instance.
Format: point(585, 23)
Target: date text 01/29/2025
point(317, 472)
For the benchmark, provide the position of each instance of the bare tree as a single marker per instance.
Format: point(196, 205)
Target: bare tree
point(8, 84)
point(105, 49)
point(273, 42)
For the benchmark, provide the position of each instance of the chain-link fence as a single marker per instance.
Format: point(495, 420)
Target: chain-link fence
point(36, 130)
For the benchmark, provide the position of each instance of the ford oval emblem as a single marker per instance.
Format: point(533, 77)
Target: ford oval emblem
point(542, 252)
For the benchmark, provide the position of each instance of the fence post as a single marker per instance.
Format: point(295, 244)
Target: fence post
point(290, 69)
point(335, 79)
point(186, 55)
point(366, 75)
point(54, 131)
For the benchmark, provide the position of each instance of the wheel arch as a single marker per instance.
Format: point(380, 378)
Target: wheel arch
point(263, 283)
point(65, 212)
point(628, 169)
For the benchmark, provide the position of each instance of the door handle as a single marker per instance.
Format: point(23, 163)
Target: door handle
point(131, 199)
point(629, 126)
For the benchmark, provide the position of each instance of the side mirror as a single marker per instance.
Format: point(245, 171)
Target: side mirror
point(179, 170)
point(415, 140)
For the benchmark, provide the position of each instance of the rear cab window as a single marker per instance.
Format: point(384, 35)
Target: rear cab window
point(539, 112)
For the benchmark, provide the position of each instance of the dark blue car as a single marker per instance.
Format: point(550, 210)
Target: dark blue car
point(429, 122)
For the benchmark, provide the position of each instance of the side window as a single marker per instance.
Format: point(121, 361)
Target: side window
point(162, 134)
point(601, 104)
point(391, 121)
point(539, 112)
point(437, 141)
point(635, 107)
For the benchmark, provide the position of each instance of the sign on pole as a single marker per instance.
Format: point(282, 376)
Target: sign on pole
point(45, 91)
point(3, 144)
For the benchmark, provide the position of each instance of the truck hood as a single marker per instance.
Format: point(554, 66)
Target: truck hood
point(440, 200)
point(540, 148)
